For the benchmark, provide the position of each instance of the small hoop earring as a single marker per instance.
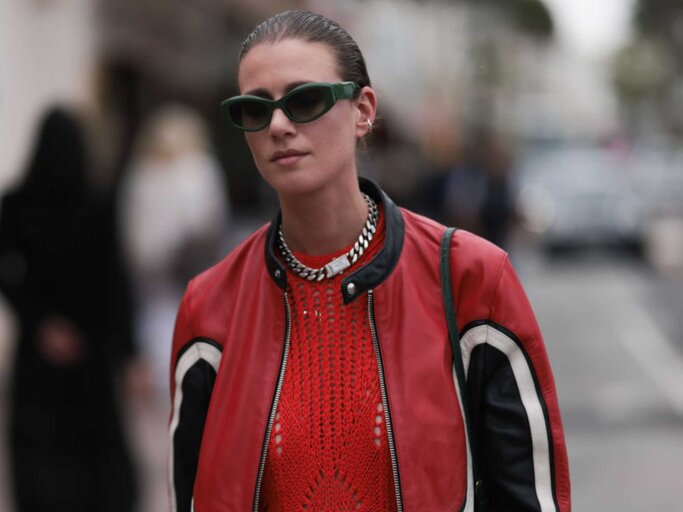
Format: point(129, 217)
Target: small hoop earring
point(370, 124)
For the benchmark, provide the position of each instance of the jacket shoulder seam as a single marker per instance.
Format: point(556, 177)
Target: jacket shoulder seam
point(494, 291)
point(189, 314)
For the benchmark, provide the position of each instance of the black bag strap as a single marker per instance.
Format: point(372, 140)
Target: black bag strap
point(449, 306)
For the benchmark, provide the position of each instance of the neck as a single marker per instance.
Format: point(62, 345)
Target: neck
point(323, 221)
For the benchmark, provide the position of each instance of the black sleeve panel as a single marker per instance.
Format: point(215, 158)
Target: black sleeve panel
point(197, 385)
point(501, 434)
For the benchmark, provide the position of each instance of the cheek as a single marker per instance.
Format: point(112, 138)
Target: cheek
point(337, 136)
point(255, 145)
point(258, 151)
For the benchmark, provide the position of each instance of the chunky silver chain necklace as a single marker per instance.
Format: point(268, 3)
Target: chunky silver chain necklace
point(341, 263)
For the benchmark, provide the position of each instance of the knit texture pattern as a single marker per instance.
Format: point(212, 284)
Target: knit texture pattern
point(329, 448)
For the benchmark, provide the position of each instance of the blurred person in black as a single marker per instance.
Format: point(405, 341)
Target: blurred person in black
point(60, 272)
point(497, 208)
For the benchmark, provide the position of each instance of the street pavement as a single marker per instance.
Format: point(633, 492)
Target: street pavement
point(619, 374)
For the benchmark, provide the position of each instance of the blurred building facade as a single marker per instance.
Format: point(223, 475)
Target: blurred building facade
point(47, 50)
point(648, 72)
point(493, 66)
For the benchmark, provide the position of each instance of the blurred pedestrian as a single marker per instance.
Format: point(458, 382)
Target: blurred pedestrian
point(497, 208)
point(174, 217)
point(465, 189)
point(441, 144)
point(60, 272)
point(312, 368)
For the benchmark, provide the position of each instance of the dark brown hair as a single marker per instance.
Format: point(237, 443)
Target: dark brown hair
point(314, 28)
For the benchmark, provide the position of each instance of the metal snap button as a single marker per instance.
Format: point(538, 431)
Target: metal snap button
point(351, 289)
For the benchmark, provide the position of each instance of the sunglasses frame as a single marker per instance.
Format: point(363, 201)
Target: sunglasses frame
point(333, 92)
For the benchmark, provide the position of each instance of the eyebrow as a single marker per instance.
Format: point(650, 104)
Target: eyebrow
point(264, 93)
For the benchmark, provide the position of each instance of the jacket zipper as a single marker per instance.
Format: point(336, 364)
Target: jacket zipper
point(273, 408)
point(385, 401)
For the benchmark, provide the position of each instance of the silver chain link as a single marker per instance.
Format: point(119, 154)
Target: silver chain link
point(338, 264)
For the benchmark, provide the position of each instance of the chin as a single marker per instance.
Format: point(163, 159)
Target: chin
point(296, 186)
point(295, 182)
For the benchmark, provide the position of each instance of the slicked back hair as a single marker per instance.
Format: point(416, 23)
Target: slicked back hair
point(315, 28)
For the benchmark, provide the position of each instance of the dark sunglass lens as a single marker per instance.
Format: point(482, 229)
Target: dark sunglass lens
point(250, 115)
point(307, 104)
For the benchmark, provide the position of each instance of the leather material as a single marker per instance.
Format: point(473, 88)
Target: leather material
point(428, 426)
point(239, 303)
point(503, 434)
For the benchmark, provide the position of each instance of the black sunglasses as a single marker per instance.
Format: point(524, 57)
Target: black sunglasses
point(302, 104)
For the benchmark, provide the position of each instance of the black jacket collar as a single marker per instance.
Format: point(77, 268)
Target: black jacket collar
point(366, 277)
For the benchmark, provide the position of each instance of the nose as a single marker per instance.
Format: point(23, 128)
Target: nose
point(280, 124)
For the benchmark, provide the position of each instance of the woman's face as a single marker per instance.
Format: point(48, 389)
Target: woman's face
point(302, 158)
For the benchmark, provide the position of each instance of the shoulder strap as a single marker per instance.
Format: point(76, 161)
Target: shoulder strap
point(449, 306)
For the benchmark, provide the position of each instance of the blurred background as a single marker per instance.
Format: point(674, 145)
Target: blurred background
point(554, 128)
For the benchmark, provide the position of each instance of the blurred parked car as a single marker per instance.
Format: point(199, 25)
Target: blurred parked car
point(579, 197)
point(659, 177)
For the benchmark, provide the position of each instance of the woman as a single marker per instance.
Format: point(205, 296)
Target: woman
point(312, 368)
point(60, 273)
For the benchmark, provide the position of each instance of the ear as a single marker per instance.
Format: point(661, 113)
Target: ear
point(366, 103)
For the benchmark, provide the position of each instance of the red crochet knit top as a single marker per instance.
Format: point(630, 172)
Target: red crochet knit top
point(328, 449)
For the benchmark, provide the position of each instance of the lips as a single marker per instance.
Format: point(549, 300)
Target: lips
point(287, 154)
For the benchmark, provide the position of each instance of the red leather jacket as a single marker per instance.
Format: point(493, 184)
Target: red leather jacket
point(230, 352)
